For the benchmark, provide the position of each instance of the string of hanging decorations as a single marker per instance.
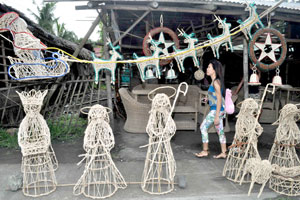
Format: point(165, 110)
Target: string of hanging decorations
point(32, 65)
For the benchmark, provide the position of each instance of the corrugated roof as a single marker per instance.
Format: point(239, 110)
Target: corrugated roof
point(293, 5)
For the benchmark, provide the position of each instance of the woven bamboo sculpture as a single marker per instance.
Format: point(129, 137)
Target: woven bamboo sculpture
point(286, 179)
point(283, 152)
point(34, 140)
point(260, 171)
point(30, 63)
point(244, 145)
point(160, 165)
point(101, 178)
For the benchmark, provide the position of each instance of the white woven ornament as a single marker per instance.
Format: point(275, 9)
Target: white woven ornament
point(244, 145)
point(34, 140)
point(160, 165)
point(101, 178)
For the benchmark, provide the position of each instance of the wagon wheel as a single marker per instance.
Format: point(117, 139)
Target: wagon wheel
point(270, 49)
point(158, 30)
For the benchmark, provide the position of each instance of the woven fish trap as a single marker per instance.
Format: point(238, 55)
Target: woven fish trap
point(38, 175)
point(36, 69)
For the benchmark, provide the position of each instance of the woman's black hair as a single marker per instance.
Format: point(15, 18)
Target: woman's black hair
point(217, 66)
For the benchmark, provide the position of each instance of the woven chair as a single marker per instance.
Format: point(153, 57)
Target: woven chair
point(136, 121)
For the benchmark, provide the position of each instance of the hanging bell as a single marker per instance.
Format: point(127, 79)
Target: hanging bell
point(171, 74)
point(149, 74)
point(277, 80)
point(254, 80)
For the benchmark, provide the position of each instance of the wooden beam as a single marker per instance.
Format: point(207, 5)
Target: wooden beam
point(131, 27)
point(245, 68)
point(87, 35)
point(166, 9)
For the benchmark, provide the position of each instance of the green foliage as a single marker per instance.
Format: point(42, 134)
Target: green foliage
point(61, 130)
point(46, 19)
point(7, 140)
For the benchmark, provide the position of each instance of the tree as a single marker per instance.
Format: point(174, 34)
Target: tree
point(45, 17)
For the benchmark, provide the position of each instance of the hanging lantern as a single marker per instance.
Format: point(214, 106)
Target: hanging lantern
point(171, 73)
point(254, 79)
point(277, 79)
point(149, 74)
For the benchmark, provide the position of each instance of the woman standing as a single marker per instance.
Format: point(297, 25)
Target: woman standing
point(217, 112)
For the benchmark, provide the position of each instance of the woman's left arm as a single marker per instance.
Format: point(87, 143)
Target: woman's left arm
point(219, 102)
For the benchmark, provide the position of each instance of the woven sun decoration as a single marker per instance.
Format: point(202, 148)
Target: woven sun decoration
point(34, 140)
point(160, 165)
point(253, 19)
point(285, 180)
point(111, 65)
point(147, 61)
point(283, 152)
point(101, 178)
point(260, 171)
point(224, 38)
point(244, 145)
point(190, 51)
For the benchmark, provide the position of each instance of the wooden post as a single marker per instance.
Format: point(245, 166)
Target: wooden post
point(87, 35)
point(4, 62)
point(132, 26)
point(245, 68)
point(107, 75)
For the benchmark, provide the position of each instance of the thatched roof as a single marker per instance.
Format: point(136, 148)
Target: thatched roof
point(47, 38)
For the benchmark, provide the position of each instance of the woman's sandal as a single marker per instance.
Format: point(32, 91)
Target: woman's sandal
point(222, 155)
point(202, 154)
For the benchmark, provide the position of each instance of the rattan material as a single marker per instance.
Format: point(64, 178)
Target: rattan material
point(286, 178)
point(137, 113)
point(283, 152)
point(260, 171)
point(224, 38)
point(160, 166)
point(191, 41)
point(34, 140)
point(101, 178)
point(244, 145)
point(37, 68)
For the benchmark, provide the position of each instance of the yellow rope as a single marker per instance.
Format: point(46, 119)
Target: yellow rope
point(75, 59)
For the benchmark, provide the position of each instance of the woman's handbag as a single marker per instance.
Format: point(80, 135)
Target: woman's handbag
point(229, 106)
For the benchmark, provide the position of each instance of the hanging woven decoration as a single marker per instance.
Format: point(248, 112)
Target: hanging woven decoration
point(39, 159)
point(244, 145)
point(271, 47)
point(253, 19)
point(30, 64)
point(41, 68)
point(161, 31)
point(160, 165)
point(147, 61)
point(224, 38)
point(110, 65)
point(100, 178)
point(190, 51)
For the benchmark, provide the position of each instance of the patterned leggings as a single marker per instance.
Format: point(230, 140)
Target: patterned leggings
point(208, 121)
